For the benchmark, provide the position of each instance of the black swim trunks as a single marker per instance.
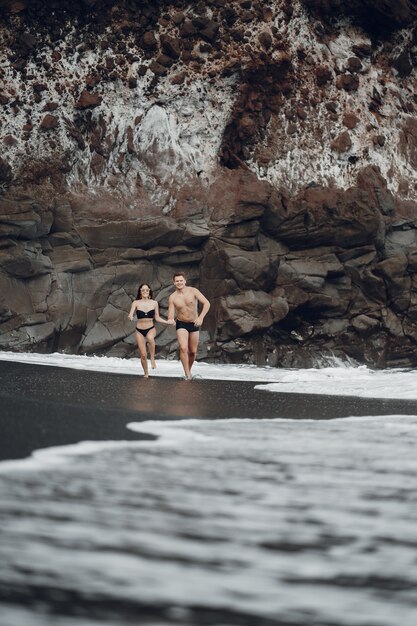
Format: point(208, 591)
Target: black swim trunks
point(187, 326)
point(144, 331)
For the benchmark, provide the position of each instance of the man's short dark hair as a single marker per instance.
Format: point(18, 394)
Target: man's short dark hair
point(178, 274)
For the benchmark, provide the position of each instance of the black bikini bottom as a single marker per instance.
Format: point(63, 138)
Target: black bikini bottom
point(143, 331)
point(187, 326)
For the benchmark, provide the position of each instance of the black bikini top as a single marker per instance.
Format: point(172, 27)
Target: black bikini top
point(149, 314)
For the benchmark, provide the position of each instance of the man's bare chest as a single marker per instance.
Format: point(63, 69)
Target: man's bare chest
point(184, 301)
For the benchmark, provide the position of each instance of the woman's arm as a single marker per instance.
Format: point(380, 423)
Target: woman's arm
point(132, 310)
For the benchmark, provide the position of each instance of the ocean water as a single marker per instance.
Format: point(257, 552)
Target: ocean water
point(333, 377)
point(234, 522)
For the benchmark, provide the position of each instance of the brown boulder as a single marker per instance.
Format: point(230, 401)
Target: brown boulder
point(111, 326)
point(6, 174)
point(157, 68)
point(230, 269)
point(9, 140)
point(342, 143)
point(246, 126)
point(49, 122)
point(322, 216)
point(210, 32)
point(354, 65)
point(398, 282)
point(97, 164)
point(69, 259)
point(15, 302)
point(362, 50)
point(408, 140)
point(62, 218)
point(25, 261)
point(248, 312)
point(171, 46)
point(149, 41)
point(242, 234)
point(371, 286)
point(319, 262)
point(350, 120)
point(21, 217)
point(140, 233)
point(365, 325)
point(323, 75)
point(187, 29)
point(164, 60)
point(348, 82)
point(50, 106)
point(403, 64)
point(265, 39)
point(88, 100)
point(380, 140)
point(178, 18)
point(372, 182)
point(178, 79)
point(39, 87)
point(238, 196)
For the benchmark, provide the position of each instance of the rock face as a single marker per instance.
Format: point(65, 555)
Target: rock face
point(266, 148)
point(375, 14)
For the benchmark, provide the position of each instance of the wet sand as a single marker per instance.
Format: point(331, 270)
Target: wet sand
point(42, 406)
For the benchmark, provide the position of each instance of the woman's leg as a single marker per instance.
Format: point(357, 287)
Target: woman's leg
point(141, 341)
point(151, 345)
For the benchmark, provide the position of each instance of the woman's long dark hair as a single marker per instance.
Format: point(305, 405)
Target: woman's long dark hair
point(139, 296)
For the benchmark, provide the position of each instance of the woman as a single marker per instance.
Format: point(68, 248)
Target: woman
point(147, 311)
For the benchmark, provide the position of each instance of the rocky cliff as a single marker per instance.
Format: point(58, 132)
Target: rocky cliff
point(267, 148)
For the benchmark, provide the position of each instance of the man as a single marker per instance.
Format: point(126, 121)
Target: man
point(184, 301)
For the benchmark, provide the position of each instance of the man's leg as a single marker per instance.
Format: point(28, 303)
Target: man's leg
point(182, 336)
point(192, 347)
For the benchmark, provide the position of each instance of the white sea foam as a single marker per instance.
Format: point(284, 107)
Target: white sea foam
point(275, 519)
point(342, 379)
point(48, 458)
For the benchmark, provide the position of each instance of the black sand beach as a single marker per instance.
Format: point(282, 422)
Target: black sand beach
point(42, 406)
point(244, 524)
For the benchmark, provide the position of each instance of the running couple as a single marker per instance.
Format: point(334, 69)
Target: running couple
point(184, 304)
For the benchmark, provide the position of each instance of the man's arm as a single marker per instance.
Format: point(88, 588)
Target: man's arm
point(206, 306)
point(171, 309)
point(158, 318)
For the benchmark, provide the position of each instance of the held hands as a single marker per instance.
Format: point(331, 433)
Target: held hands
point(170, 321)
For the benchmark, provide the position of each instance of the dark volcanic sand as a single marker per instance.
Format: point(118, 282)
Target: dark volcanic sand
point(42, 406)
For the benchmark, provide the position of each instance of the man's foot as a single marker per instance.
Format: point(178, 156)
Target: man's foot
point(153, 364)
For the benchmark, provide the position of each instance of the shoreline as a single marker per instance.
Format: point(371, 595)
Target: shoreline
point(44, 406)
